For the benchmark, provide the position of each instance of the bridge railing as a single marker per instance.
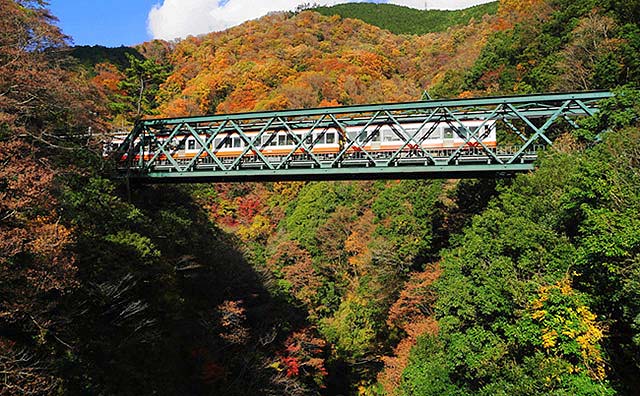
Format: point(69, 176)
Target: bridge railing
point(446, 138)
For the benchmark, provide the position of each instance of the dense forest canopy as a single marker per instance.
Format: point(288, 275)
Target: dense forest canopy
point(405, 20)
point(415, 287)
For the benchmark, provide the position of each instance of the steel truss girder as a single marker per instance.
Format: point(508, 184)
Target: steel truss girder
point(150, 152)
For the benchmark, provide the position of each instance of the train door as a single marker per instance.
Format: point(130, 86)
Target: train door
point(375, 139)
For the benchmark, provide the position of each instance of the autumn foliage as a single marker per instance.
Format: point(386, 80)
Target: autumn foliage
point(34, 245)
point(41, 106)
point(307, 61)
point(412, 287)
point(413, 313)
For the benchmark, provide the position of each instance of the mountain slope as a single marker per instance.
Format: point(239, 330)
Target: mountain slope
point(405, 20)
point(309, 60)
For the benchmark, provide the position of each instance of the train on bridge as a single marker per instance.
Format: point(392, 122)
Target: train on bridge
point(326, 142)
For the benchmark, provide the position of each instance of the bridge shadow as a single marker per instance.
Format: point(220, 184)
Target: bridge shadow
point(178, 309)
point(231, 329)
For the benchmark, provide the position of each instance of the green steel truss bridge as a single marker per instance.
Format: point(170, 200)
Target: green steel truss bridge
point(197, 149)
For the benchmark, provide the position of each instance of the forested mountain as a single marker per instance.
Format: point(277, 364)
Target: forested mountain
point(421, 287)
point(305, 60)
point(405, 20)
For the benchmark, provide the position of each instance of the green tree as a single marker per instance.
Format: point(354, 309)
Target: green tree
point(141, 86)
point(510, 320)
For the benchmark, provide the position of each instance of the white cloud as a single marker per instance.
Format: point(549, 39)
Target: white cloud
point(180, 18)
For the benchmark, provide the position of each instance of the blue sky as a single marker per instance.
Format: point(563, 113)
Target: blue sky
point(107, 22)
point(114, 23)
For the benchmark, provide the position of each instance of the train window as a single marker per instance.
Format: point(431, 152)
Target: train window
point(411, 132)
point(352, 135)
point(290, 141)
point(436, 134)
point(330, 138)
point(227, 142)
point(362, 137)
point(463, 131)
point(376, 136)
point(282, 140)
point(309, 140)
point(181, 144)
point(391, 136)
point(191, 144)
point(320, 138)
point(237, 142)
point(477, 131)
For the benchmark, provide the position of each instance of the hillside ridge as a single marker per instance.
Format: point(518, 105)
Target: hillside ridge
point(405, 20)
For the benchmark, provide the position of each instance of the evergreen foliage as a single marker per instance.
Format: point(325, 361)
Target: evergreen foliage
point(561, 46)
point(90, 56)
point(140, 87)
point(405, 20)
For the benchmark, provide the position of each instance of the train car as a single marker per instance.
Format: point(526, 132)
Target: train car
point(329, 141)
point(111, 143)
